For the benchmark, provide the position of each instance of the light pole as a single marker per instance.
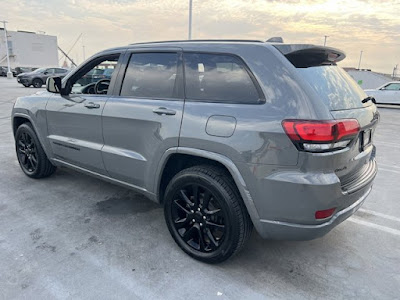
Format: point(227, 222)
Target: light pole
point(359, 62)
point(394, 71)
point(9, 74)
point(190, 19)
point(326, 36)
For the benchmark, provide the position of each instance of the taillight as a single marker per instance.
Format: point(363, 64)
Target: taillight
point(320, 136)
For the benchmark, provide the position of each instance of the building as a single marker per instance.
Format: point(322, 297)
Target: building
point(29, 49)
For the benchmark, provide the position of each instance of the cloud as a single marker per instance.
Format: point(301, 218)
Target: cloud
point(369, 25)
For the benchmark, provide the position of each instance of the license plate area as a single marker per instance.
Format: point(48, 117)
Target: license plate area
point(366, 139)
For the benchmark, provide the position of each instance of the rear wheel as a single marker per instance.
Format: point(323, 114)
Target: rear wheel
point(37, 83)
point(30, 154)
point(205, 214)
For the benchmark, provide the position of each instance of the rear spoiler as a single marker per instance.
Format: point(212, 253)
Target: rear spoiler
point(303, 56)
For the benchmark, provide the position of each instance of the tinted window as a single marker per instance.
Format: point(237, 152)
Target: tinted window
point(98, 72)
point(151, 75)
point(108, 72)
point(60, 71)
point(85, 80)
point(222, 78)
point(41, 70)
point(334, 86)
point(393, 87)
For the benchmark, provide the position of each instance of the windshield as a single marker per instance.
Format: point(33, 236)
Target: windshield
point(41, 70)
point(335, 87)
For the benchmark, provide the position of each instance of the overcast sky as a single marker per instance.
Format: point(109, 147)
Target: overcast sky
point(352, 25)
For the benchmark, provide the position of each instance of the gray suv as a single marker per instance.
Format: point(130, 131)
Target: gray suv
point(226, 135)
point(38, 77)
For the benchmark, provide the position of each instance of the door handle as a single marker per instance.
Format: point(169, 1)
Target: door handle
point(164, 111)
point(92, 105)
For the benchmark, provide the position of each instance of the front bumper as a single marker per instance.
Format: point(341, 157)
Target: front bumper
point(24, 80)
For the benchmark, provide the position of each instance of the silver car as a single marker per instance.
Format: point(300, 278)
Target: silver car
point(389, 93)
point(226, 135)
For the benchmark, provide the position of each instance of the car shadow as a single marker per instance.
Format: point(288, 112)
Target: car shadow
point(126, 202)
point(301, 264)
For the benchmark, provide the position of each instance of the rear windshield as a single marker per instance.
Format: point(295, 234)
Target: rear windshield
point(335, 87)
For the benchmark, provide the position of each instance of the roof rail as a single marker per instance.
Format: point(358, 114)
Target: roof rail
point(194, 41)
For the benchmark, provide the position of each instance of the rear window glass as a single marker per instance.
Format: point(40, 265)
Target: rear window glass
point(218, 78)
point(335, 87)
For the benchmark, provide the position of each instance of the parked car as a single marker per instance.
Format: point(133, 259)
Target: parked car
point(224, 134)
point(3, 71)
point(38, 77)
point(389, 93)
point(91, 76)
point(20, 70)
point(107, 73)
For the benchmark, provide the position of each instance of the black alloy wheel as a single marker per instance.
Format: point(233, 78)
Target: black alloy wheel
point(199, 218)
point(30, 154)
point(27, 153)
point(37, 83)
point(205, 213)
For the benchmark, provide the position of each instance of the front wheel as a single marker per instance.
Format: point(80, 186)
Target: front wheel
point(37, 83)
point(30, 154)
point(205, 214)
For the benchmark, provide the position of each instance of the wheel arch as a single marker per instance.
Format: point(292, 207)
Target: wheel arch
point(167, 169)
point(18, 119)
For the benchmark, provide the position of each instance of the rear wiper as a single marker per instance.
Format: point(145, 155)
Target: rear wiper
point(369, 98)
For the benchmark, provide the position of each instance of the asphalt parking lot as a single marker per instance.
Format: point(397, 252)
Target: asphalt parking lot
point(73, 236)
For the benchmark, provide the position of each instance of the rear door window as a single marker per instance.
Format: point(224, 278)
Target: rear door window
point(50, 71)
point(219, 78)
point(335, 87)
point(152, 75)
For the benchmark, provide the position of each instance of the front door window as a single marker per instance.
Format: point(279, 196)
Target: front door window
point(96, 77)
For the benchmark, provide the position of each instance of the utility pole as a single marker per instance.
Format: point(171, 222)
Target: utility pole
point(9, 73)
point(359, 62)
point(326, 36)
point(190, 19)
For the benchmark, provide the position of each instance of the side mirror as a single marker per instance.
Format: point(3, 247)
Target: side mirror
point(53, 85)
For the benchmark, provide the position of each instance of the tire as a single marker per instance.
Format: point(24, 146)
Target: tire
point(212, 226)
point(37, 83)
point(26, 85)
point(31, 156)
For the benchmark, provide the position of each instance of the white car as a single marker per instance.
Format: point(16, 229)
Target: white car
point(389, 93)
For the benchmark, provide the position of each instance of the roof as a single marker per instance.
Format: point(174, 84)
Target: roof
point(199, 41)
point(300, 55)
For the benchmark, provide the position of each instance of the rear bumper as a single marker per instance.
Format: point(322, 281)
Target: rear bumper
point(286, 201)
point(292, 231)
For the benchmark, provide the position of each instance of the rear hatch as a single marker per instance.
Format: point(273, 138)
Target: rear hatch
point(352, 158)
